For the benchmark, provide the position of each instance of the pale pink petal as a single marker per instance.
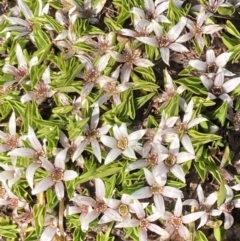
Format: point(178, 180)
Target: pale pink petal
point(144, 192)
point(174, 147)
point(231, 84)
point(148, 40)
point(222, 59)
point(198, 64)
point(177, 171)
point(159, 203)
point(112, 155)
point(33, 139)
point(184, 38)
point(196, 121)
point(127, 32)
point(18, 21)
point(178, 47)
point(156, 229)
point(208, 83)
point(157, 30)
point(112, 203)
point(23, 152)
point(129, 152)
point(137, 165)
point(96, 150)
point(59, 190)
point(142, 232)
point(136, 135)
point(60, 159)
point(128, 223)
point(211, 199)
point(175, 31)
point(178, 208)
point(79, 150)
point(165, 55)
point(191, 202)
point(88, 219)
point(46, 164)
point(200, 194)
point(201, 17)
point(184, 156)
point(100, 189)
point(64, 140)
point(172, 192)
point(12, 124)
point(110, 215)
point(143, 62)
point(69, 175)
point(192, 217)
point(210, 56)
point(43, 185)
point(187, 144)
point(109, 141)
point(125, 73)
point(103, 62)
point(46, 76)
point(219, 80)
point(95, 117)
point(183, 232)
point(228, 220)
point(30, 173)
point(48, 233)
point(203, 220)
point(200, 41)
point(188, 112)
point(229, 194)
point(149, 176)
point(9, 69)
point(210, 29)
point(25, 9)
point(118, 57)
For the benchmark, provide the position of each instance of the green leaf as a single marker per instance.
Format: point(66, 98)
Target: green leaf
point(221, 113)
point(222, 194)
point(41, 38)
point(200, 236)
point(39, 212)
point(146, 73)
point(140, 101)
point(200, 168)
point(199, 138)
point(219, 233)
point(232, 29)
point(171, 108)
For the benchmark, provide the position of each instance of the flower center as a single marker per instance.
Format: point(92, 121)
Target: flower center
point(156, 189)
point(122, 143)
point(144, 223)
point(217, 90)
point(92, 76)
point(12, 142)
point(37, 156)
point(170, 160)
point(197, 31)
point(92, 135)
point(228, 207)
point(123, 209)
point(100, 206)
point(205, 208)
point(42, 90)
point(13, 203)
point(150, 16)
point(164, 41)
point(182, 126)
point(83, 208)
point(236, 118)
point(152, 159)
point(175, 222)
point(71, 149)
point(21, 72)
point(57, 175)
point(211, 68)
point(2, 192)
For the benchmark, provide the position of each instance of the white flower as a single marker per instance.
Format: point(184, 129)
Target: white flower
point(220, 89)
point(168, 41)
point(122, 142)
point(212, 63)
point(229, 205)
point(143, 222)
point(58, 174)
point(204, 204)
point(91, 134)
point(176, 221)
point(172, 158)
point(157, 189)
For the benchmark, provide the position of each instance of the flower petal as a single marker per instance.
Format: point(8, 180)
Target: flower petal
point(69, 175)
point(112, 155)
point(60, 159)
point(30, 173)
point(43, 185)
point(144, 192)
point(59, 190)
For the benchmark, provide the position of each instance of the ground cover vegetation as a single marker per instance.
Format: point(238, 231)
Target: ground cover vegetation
point(119, 120)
